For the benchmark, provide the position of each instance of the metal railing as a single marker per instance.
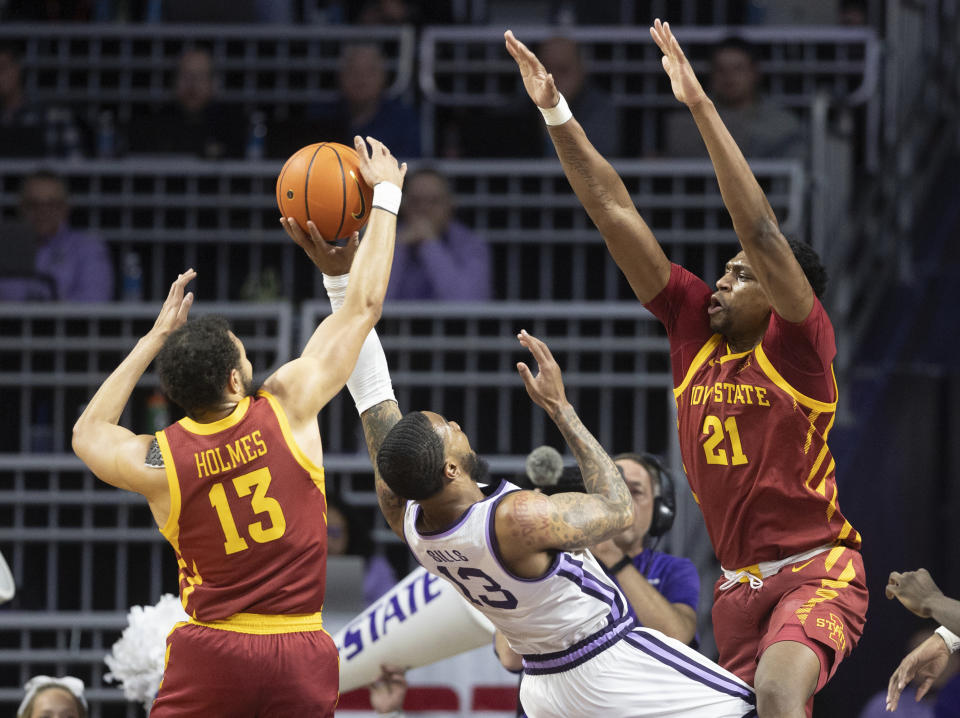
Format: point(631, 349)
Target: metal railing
point(125, 67)
point(470, 67)
point(221, 218)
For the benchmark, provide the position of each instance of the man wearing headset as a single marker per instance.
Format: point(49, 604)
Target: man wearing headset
point(663, 590)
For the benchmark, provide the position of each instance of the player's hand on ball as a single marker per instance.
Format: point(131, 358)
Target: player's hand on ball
point(377, 164)
point(328, 258)
point(537, 81)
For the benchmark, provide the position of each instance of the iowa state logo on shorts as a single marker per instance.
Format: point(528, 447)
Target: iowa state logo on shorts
point(834, 627)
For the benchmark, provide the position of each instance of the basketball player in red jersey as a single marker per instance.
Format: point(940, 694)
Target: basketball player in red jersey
point(755, 396)
point(237, 486)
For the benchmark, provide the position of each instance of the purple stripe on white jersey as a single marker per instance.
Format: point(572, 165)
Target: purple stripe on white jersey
point(688, 666)
point(573, 569)
point(433, 535)
point(579, 652)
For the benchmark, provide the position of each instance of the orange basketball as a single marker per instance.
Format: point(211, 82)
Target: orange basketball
point(321, 183)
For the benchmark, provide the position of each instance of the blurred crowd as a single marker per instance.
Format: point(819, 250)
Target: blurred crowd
point(55, 261)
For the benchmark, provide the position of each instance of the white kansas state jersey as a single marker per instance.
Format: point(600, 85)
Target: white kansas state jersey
point(582, 653)
point(574, 601)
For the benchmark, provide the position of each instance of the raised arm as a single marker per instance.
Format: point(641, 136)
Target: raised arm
point(306, 384)
point(528, 522)
point(597, 185)
point(113, 453)
point(756, 226)
point(369, 383)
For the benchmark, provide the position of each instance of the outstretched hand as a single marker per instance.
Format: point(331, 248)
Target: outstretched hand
point(683, 80)
point(537, 81)
point(546, 388)
point(923, 664)
point(328, 258)
point(176, 307)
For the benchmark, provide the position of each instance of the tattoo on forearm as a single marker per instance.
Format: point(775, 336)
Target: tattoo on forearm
point(600, 474)
point(575, 163)
point(377, 422)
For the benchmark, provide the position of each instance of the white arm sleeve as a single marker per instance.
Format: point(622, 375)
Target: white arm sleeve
point(950, 638)
point(369, 384)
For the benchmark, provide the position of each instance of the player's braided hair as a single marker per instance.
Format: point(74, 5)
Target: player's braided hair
point(195, 363)
point(410, 459)
point(811, 265)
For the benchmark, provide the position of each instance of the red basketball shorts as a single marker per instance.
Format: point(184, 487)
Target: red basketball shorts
point(821, 603)
point(214, 672)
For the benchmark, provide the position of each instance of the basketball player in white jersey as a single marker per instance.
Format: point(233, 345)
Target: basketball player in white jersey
point(520, 557)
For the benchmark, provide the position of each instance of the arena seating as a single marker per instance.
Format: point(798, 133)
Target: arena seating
point(82, 552)
point(221, 218)
point(124, 68)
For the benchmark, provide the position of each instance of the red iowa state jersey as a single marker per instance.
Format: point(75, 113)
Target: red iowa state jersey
point(247, 514)
point(754, 445)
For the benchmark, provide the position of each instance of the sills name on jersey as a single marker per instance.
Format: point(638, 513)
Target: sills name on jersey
point(724, 392)
point(442, 556)
point(229, 456)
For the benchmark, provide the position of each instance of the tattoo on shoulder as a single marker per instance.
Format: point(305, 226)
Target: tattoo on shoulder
point(154, 458)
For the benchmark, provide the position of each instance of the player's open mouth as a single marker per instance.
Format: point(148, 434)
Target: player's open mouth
point(715, 306)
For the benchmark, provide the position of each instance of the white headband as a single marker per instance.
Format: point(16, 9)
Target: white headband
point(72, 685)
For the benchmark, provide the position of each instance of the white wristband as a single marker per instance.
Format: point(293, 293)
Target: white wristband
point(386, 195)
point(950, 638)
point(336, 287)
point(557, 115)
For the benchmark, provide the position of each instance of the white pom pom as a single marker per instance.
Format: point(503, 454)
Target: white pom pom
point(136, 659)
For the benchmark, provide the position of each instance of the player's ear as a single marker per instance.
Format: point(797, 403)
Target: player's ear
point(235, 381)
point(451, 470)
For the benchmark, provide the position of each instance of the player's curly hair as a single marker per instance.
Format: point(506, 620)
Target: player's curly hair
point(410, 459)
point(811, 265)
point(195, 363)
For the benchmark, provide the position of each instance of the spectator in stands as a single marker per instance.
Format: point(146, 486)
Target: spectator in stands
point(760, 127)
point(663, 590)
point(46, 697)
point(195, 123)
point(401, 12)
point(346, 536)
point(436, 257)
point(592, 106)
point(363, 108)
point(46, 258)
point(27, 129)
point(853, 13)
